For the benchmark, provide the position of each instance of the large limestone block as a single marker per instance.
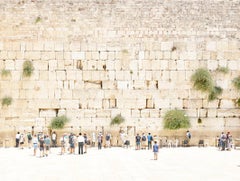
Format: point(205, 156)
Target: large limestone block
point(211, 46)
point(222, 45)
point(228, 113)
point(233, 64)
point(139, 84)
point(48, 55)
point(70, 104)
point(10, 65)
point(78, 55)
point(135, 113)
point(122, 84)
point(162, 103)
point(226, 103)
point(110, 64)
point(166, 46)
point(232, 123)
point(212, 64)
point(145, 113)
point(71, 75)
point(49, 45)
point(154, 113)
point(211, 113)
point(103, 113)
point(90, 113)
point(109, 85)
point(61, 75)
point(192, 103)
point(66, 94)
point(47, 113)
point(87, 75)
point(94, 103)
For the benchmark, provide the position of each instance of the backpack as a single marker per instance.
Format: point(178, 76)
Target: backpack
point(144, 138)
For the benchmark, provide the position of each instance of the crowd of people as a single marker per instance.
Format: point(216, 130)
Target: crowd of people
point(78, 143)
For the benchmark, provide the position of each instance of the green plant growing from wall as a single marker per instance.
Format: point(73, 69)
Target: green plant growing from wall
point(5, 73)
point(224, 70)
point(28, 68)
point(237, 102)
point(58, 122)
point(216, 91)
point(236, 82)
point(117, 120)
point(176, 119)
point(202, 80)
point(38, 19)
point(6, 101)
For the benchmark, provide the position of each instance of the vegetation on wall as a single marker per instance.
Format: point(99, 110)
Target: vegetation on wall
point(236, 82)
point(202, 80)
point(215, 92)
point(176, 119)
point(5, 73)
point(224, 70)
point(58, 122)
point(117, 120)
point(28, 68)
point(6, 101)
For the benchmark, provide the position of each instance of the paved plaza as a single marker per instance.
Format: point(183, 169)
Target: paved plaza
point(120, 164)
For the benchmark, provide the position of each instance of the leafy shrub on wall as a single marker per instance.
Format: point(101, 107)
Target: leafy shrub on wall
point(6, 101)
point(58, 122)
point(176, 119)
point(27, 68)
point(5, 73)
point(117, 120)
point(202, 80)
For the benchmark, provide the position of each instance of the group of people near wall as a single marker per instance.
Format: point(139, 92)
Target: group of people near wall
point(225, 141)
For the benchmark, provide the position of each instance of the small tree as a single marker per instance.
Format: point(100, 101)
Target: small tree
point(176, 119)
point(117, 120)
point(58, 122)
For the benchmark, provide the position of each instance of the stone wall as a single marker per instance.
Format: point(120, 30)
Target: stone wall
point(94, 59)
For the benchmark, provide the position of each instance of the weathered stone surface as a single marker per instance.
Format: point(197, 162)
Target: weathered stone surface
point(133, 58)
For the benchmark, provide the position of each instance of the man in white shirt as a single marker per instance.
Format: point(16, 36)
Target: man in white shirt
point(80, 143)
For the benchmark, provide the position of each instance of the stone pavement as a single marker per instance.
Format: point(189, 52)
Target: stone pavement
point(119, 164)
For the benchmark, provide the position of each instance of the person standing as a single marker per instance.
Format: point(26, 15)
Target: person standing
point(71, 143)
point(144, 140)
point(80, 143)
point(35, 144)
point(155, 150)
point(99, 139)
point(17, 139)
point(21, 140)
point(108, 140)
point(41, 146)
point(47, 143)
point(54, 139)
point(29, 137)
point(150, 139)
point(138, 141)
point(85, 142)
point(93, 139)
